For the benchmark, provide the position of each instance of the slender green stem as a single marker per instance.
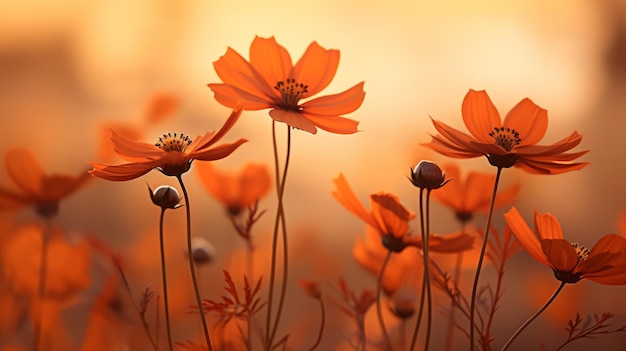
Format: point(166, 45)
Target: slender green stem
point(205, 327)
point(322, 324)
point(482, 256)
point(533, 317)
point(379, 310)
point(271, 329)
point(37, 332)
point(165, 299)
point(423, 293)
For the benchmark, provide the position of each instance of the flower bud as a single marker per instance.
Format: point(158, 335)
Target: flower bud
point(403, 306)
point(427, 175)
point(202, 251)
point(311, 288)
point(165, 197)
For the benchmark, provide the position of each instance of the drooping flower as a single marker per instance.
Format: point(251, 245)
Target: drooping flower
point(34, 186)
point(509, 142)
point(469, 194)
point(172, 154)
point(269, 80)
point(235, 191)
point(605, 263)
point(391, 220)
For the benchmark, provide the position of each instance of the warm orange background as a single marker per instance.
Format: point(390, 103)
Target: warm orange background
point(68, 68)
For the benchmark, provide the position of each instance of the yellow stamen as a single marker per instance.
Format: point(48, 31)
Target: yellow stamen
point(506, 137)
point(173, 142)
point(581, 251)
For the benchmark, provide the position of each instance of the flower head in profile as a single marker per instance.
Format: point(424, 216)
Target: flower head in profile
point(509, 142)
point(172, 154)
point(391, 219)
point(34, 187)
point(471, 193)
point(236, 191)
point(270, 80)
point(604, 263)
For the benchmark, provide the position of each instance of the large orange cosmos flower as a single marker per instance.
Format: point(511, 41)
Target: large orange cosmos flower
point(605, 263)
point(507, 143)
point(471, 193)
point(391, 220)
point(172, 154)
point(34, 186)
point(236, 191)
point(270, 80)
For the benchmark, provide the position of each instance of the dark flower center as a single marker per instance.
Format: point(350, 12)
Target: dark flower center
point(571, 277)
point(290, 91)
point(173, 142)
point(506, 137)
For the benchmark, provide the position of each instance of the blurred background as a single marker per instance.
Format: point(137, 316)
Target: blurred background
point(69, 69)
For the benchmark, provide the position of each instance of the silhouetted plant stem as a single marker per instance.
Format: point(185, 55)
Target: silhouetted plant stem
point(379, 310)
point(205, 327)
point(533, 317)
point(46, 232)
point(163, 275)
point(271, 328)
point(322, 324)
point(481, 257)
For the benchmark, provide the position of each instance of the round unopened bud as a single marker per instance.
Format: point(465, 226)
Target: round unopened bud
point(165, 197)
point(403, 306)
point(427, 175)
point(202, 251)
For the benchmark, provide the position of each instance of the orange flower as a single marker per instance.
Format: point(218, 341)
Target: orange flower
point(470, 194)
point(391, 221)
point(512, 142)
point(235, 191)
point(270, 80)
point(172, 155)
point(34, 187)
point(605, 263)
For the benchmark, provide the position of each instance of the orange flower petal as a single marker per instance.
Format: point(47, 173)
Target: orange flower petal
point(337, 104)
point(444, 147)
point(346, 197)
point(230, 96)
point(333, 124)
point(525, 236)
point(218, 184)
point(226, 127)
point(254, 183)
point(480, 115)
point(56, 187)
point(560, 253)
point(462, 141)
point(122, 172)
point(451, 243)
point(234, 70)
point(293, 119)
point(218, 152)
point(529, 120)
point(10, 200)
point(450, 195)
point(134, 151)
point(391, 216)
point(161, 107)
point(270, 60)
point(547, 226)
point(24, 171)
point(316, 68)
point(560, 146)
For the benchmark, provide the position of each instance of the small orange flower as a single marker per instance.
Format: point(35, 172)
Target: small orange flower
point(605, 263)
point(34, 187)
point(172, 155)
point(512, 142)
point(391, 221)
point(472, 193)
point(269, 80)
point(236, 191)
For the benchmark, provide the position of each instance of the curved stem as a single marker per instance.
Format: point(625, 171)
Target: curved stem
point(165, 300)
point(425, 244)
point(533, 317)
point(205, 328)
point(321, 332)
point(423, 294)
point(482, 257)
point(45, 236)
point(270, 331)
point(379, 309)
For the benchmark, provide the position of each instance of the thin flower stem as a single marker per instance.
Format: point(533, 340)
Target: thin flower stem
point(425, 244)
point(423, 293)
point(45, 236)
point(379, 309)
point(533, 317)
point(205, 328)
point(270, 331)
point(165, 299)
point(322, 324)
point(451, 321)
point(250, 269)
point(481, 257)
